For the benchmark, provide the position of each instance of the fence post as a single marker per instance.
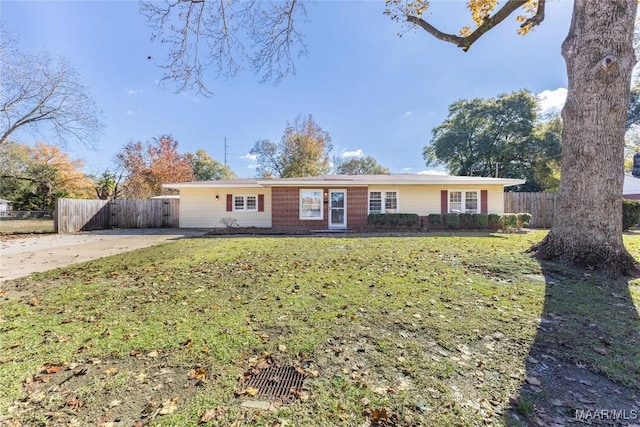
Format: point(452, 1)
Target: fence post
point(56, 218)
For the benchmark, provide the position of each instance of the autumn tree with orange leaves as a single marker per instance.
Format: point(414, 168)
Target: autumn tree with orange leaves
point(149, 164)
point(34, 177)
point(303, 150)
point(56, 171)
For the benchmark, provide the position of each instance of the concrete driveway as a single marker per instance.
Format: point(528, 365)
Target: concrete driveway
point(21, 257)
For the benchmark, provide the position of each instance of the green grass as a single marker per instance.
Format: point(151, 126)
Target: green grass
point(418, 325)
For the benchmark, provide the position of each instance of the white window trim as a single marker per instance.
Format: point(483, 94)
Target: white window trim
point(244, 202)
point(317, 190)
point(383, 195)
point(464, 200)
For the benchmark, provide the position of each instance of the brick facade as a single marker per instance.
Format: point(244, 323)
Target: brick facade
point(358, 208)
point(285, 205)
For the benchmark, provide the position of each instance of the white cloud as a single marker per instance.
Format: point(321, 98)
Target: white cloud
point(250, 157)
point(432, 172)
point(408, 113)
point(131, 92)
point(133, 113)
point(406, 169)
point(356, 153)
point(552, 101)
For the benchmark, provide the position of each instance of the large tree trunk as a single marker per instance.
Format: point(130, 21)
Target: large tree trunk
point(598, 50)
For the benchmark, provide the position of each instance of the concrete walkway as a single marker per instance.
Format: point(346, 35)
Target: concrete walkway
point(21, 257)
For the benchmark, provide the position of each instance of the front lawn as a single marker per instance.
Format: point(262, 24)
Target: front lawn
point(430, 330)
point(20, 227)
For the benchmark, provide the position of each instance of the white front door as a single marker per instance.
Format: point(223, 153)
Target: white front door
point(337, 209)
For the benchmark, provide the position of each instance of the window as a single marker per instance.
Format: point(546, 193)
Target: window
point(376, 204)
point(245, 203)
point(310, 204)
point(251, 203)
point(455, 201)
point(471, 201)
point(463, 201)
point(391, 201)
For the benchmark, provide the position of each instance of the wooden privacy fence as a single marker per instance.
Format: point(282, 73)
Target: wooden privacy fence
point(73, 215)
point(541, 206)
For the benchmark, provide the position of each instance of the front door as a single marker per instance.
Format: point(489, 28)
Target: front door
point(337, 209)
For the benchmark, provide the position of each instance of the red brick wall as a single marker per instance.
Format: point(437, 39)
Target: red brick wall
point(285, 205)
point(357, 208)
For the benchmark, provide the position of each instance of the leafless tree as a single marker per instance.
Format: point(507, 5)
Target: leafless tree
point(224, 36)
point(39, 91)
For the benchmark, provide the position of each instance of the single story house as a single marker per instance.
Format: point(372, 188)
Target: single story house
point(333, 202)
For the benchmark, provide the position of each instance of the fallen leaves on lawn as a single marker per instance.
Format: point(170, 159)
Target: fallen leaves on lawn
point(213, 414)
point(74, 403)
point(533, 381)
point(198, 373)
point(380, 417)
point(251, 391)
point(600, 351)
point(51, 368)
point(169, 406)
point(265, 362)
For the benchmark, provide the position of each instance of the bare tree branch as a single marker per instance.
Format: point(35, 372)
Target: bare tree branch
point(465, 42)
point(222, 36)
point(21, 178)
point(536, 19)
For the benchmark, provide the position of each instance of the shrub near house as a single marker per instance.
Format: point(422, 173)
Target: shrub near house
point(452, 221)
point(630, 214)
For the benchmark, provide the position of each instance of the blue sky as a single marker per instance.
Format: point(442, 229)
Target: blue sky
point(376, 93)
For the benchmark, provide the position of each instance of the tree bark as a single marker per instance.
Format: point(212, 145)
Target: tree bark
point(598, 51)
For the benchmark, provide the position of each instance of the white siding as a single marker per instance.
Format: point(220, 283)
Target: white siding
point(425, 199)
point(495, 199)
point(631, 185)
point(199, 208)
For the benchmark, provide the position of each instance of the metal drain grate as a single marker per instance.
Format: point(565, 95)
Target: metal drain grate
point(277, 382)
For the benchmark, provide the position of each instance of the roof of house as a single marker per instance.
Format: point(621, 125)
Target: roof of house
point(167, 196)
point(349, 180)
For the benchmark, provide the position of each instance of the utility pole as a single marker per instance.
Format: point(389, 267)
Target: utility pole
point(497, 169)
point(225, 151)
